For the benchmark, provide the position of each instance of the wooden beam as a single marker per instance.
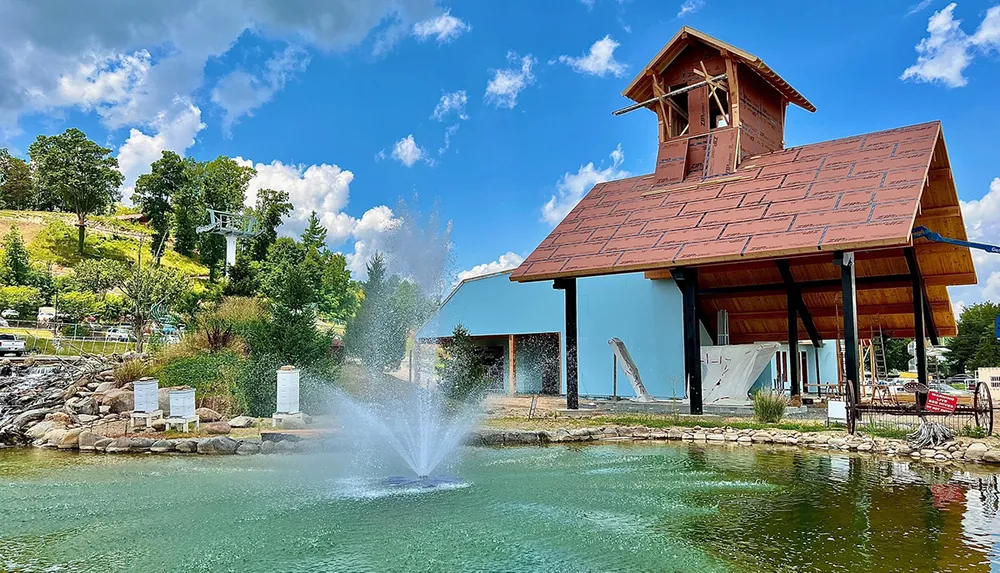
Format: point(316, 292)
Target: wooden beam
point(797, 305)
point(940, 213)
point(920, 291)
point(832, 285)
point(734, 91)
point(669, 94)
point(895, 309)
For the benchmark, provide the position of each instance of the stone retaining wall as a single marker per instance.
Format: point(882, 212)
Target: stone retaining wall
point(959, 450)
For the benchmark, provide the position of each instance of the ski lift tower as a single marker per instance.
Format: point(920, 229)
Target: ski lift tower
point(232, 226)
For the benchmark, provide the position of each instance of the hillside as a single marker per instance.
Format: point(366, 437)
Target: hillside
point(52, 239)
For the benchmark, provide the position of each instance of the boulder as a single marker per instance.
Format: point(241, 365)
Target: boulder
point(976, 451)
point(293, 424)
point(25, 418)
point(162, 446)
point(218, 445)
point(285, 447)
point(88, 419)
point(87, 441)
point(763, 437)
point(54, 437)
point(59, 418)
point(86, 406)
point(186, 446)
point(247, 449)
point(129, 445)
point(102, 444)
point(121, 401)
point(992, 457)
point(243, 422)
point(104, 410)
point(38, 431)
point(105, 387)
point(70, 440)
point(158, 424)
point(163, 400)
point(267, 447)
point(218, 428)
point(208, 415)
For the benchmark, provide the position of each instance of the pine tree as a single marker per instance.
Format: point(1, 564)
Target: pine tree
point(377, 334)
point(314, 237)
point(15, 263)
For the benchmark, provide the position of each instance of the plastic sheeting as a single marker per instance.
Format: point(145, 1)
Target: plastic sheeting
point(728, 372)
point(631, 370)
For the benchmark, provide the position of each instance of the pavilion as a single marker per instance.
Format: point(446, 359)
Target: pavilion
point(815, 239)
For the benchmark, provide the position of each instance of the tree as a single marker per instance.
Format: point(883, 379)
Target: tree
point(153, 193)
point(16, 188)
point(23, 299)
point(224, 187)
point(339, 295)
point(81, 173)
point(98, 275)
point(463, 375)
point(976, 336)
point(897, 357)
point(271, 208)
point(377, 334)
point(15, 263)
point(188, 208)
point(314, 237)
point(149, 289)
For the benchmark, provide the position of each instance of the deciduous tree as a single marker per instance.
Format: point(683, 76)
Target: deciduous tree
point(15, 262)
point(976, 343)
point(154, 192)
point(271, 208)
point(224, 187)
point(16, 187)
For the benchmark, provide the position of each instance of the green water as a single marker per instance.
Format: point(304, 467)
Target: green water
point(655, 507)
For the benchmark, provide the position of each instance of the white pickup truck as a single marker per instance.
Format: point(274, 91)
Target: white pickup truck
point(9, 344)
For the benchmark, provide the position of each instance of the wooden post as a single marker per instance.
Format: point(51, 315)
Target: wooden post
point(512, 364)
point(568, 286)
point(687, 280)
point(850, 305)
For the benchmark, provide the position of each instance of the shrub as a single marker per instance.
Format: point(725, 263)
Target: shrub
point(23, 299)
point(130, 371)
point(209, 373)
point(77, 304)
point(769, 406)
point(76, 330)
point(256, 388)
point(973, 431)
point(463, 375)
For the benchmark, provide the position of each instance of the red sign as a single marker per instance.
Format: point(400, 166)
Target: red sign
point(937, 402)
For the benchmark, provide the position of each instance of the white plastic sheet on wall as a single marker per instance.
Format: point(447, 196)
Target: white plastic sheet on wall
point(728, 372)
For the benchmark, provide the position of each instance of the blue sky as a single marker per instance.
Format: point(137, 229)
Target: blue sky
point(497, 111)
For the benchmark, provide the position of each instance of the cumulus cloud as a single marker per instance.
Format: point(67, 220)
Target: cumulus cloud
point(451, 103)
point(444, 28)
point(982, 220)
point(505, 85)
point(369, 233)
point(506, 261)
point(174, 132)
point(240, 92)
point(131, 60)
point(599, 61)
point(573, 186)
point(947, 51)
point(690, 7)
point(407, 152)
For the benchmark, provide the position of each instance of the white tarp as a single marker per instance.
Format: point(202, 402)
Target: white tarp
point(631, 370)
point(728, 372)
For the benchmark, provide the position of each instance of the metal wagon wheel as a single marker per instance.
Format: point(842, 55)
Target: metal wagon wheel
point(983, 407)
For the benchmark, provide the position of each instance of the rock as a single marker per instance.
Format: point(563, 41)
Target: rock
point(87, 441)
point(247, 449)
point(287, 446)
point(121, 401)
point(243, 422)
point(59, 418)
point(674, 434)
point(70, 440)
point(976, 451)
point(104, 410)
point(716, 437)
point(865, 447)
point(700, 436)
point(163, 400)
point(208, 415)
point(218, 428)
point(761, 437)
point(293, 424)
point(218, 445)
point(992, 457)
point(25, 418)
point(86, 406)
point(186, 446)
point(38, 431)
point(836, 442)
point(162, 446)
point(267, 447)
point(129, 445)
point(102, 444)
point(744, 440)
point(928, 452)
point(53, 437)
point(88, 419)
point(105, 387)
point(158, 424)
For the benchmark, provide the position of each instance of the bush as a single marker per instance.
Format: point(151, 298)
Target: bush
point(77, 304)
point(208, 373)
point(464, 373)
point(130, 371)
point(769, 406)
point(256, 385)
point(114, 308)
point(973, 431)
point(76, 330)
point(23, 299)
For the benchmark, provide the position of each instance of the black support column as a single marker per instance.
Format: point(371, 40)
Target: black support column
point(687, 281)
point(850, 304)
point(919, 320)
point(793, 350)
point(572, 386)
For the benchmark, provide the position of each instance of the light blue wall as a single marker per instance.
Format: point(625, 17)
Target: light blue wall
point(827, 366)
point(645, 314)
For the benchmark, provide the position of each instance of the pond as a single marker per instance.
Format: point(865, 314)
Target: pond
point(651, 507)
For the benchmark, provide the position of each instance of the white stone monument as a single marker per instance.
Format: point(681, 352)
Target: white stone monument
point(288, 396)
point(146, 406)
point(182, 409)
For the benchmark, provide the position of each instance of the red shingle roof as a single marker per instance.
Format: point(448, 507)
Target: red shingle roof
point(852, 193)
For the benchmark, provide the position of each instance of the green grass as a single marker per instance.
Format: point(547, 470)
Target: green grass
point(46, 346)
point(883, 432)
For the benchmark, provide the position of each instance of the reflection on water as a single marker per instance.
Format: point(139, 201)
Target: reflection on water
point(646, 507)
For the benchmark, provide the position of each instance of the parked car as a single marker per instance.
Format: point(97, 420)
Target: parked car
point(968, 381)
point(9, 344)
point(119, 334)
point(45, 315)
point(10, 313)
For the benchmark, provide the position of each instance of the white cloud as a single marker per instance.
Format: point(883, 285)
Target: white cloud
point(370, 234)
point(448, 133)
point(407, 152)
point(690, 7)
point(171, 132)
point(103, 79)
point(982, 221)
point(453, 102)
point(947, 51)
point(239, 92)
point(444, 27)
point(507, 261)
point(600, 61)
point(918, 7)
point(503, 89)
point(573, 186)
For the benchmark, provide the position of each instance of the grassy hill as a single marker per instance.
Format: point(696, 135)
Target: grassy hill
point(52, 239)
